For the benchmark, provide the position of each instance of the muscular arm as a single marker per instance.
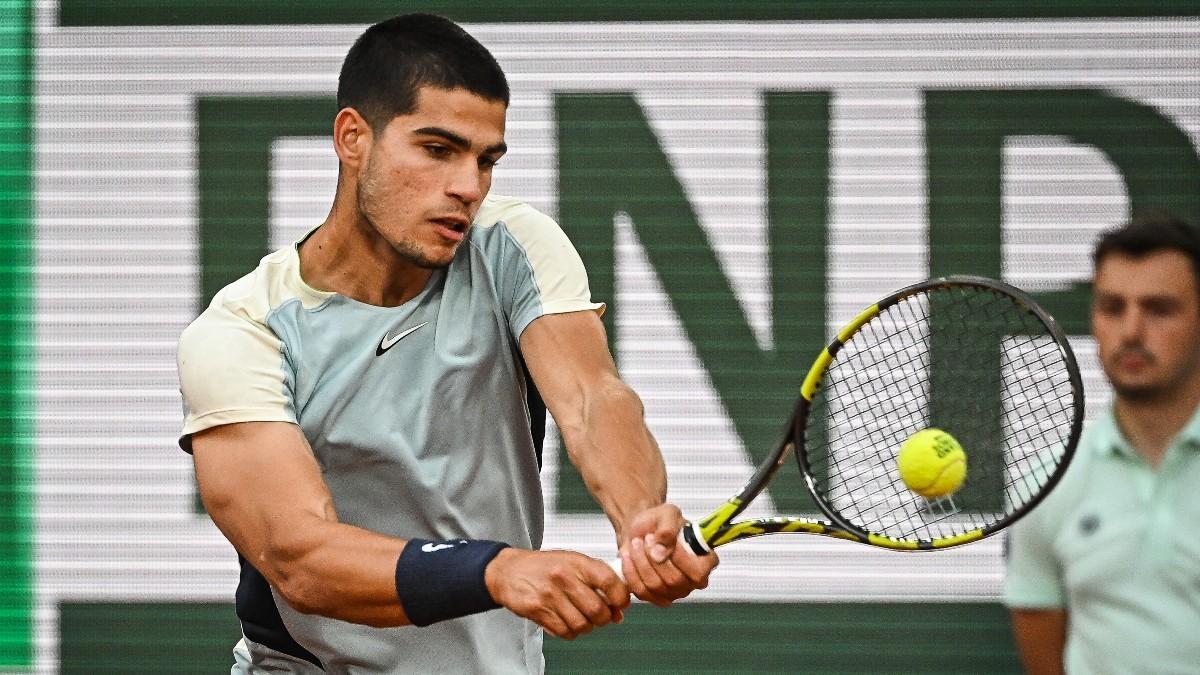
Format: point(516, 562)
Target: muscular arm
point(1041, 635)
point(601, 420)
point(599, 416)
point(264, 490)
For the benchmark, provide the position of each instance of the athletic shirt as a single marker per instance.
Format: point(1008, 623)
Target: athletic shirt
point(417, 416)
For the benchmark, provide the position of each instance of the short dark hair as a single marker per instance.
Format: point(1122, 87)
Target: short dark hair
point(393, 59)
point(1149, 233)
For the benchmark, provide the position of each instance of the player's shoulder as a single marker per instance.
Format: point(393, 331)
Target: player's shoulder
point(501, 216)
point(251, 299)
point(505, 225)
point(498, 209)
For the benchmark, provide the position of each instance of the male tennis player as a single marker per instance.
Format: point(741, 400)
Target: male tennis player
point(356, 405)
point(1104, 576)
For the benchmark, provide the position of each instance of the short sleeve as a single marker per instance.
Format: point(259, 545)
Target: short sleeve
point(1033, 578)
point(232, 369)
point(537, 269)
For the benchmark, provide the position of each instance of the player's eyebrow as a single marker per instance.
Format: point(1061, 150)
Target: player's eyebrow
point(1159, 300)
point(460, 142)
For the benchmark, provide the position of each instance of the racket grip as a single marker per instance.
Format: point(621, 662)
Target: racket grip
point(690, 539)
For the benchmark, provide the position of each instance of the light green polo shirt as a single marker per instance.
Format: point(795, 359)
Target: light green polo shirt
point(1118, 545)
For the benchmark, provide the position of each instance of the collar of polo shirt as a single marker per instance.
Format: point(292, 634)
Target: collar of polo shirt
point(1187, 439)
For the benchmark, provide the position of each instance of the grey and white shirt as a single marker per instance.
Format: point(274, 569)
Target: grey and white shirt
point(416, 414)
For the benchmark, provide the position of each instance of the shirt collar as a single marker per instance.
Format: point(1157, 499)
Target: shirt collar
point(1113, 442)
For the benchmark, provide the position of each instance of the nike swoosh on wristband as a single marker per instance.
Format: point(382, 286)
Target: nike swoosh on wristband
point(390, 340)
point(431, 547)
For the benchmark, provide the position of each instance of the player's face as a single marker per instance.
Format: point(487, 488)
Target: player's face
point(1146, 321)
point(428, 172)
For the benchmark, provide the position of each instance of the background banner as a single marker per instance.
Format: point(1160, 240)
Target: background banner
point(740, 180)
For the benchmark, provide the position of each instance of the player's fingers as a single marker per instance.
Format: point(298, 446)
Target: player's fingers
point(581, 601)
point(577, 624)
point(633, 579)
point(654, 586)
point(660, 543)
point(695, 567)
point(657, 526)
point(670, 575)
point(590, 603)
point(658, 549)
point(550, 621)
point(675, 583)
point(604, 581)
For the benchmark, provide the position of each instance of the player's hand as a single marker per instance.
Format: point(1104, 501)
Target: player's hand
point(564, 592)
point(655, 569)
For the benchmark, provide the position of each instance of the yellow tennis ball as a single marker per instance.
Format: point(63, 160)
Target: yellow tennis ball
point(932, 464)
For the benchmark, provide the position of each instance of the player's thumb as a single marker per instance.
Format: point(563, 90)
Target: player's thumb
point(660, 542)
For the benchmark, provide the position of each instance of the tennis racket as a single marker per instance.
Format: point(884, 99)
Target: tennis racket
point(975, 357)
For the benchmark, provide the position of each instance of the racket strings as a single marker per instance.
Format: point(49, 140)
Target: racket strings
point(969, 360)
point(889, 513)
point(895, 515)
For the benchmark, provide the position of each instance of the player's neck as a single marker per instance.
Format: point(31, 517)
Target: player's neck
point(1150, 425)
point(346, 257)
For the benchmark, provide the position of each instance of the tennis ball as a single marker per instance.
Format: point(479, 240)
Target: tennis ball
point(932, 464)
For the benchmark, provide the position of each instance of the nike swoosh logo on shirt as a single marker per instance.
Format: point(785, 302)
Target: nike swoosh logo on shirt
point(390, 340)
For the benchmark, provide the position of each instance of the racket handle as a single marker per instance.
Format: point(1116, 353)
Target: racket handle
point(690, 539)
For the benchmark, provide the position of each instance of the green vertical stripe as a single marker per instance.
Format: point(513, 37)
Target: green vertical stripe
point(16, 414)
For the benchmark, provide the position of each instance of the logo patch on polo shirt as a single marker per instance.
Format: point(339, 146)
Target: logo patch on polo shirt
point(1089, 524)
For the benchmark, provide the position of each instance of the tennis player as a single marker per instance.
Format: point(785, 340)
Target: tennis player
point(357, 406)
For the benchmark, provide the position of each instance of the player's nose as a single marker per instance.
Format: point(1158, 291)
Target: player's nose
point(1133, 326)
point(465, 183)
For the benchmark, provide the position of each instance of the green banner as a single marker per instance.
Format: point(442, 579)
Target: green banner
point(690, 637)
point(16, 367)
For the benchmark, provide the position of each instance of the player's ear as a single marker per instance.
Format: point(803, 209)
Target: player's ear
point(351, 137)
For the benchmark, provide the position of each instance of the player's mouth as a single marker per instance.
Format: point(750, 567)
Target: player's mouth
point(453, 228)
point(1132, 363)
point(1134, 360)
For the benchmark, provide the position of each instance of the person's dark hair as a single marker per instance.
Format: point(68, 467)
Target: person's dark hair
point(392, 60)
point(1150, 233)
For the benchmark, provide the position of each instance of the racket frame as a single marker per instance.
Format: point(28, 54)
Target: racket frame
point(716, 528)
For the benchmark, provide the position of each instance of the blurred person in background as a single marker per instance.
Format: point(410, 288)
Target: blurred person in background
point(1104, 576)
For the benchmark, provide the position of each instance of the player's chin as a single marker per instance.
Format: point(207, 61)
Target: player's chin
point(1137, 388)
point(437, 256)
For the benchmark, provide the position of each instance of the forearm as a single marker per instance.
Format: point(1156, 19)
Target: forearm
point(1041, 637)
point(337, 570)
point(602, 423)
point(615, 453)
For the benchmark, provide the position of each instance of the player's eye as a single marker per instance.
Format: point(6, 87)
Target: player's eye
point(437, 151)
point(488, 162)
point(1110, 306)
point(1160, 308)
